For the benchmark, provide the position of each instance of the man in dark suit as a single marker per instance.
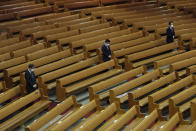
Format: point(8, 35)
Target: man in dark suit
point(170, 32)
point(106, 51)
point(31, 84)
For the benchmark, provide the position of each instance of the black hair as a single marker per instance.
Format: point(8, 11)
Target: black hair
point(31, 65)
point(170, 22)
point(107, 40)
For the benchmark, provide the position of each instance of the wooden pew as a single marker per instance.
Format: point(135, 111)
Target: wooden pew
point(33, 12)
point(141, 24)
point(9, 41)
point(68, 40)
point(11, 94)
point(86, 113)
point(113, 41)
point(163, 25)
point(129, 60)
point(135, 46)
point(128, 120)
point(26, 114)
point(8, 16)
point(120, 93)
point(179, 98)
point(193, 43)
point(179, 27)
point(42, 34)
point(54, 37)
point(3, 36)
point(108, 116)
point(168, 61)
point(191, 69)
point(86, 41)
point(169, 90)
point(56, 60)
point(193, 113)
point(25, 7)
point(27, 50)
point(140, 97)
point(105, 2)
point(153, 122)
point(42, 53)
point(193, 126)
point(4, 25)
point(52, 16)
point(138, 16)
point(14, 71)
point(15, 29)
point(72, 64)
point(62, 19)
point(16, 5)
point(11, 2)
point(177, 123)
point(188, 35)
point(76, 5)
point(75, 21)
point(27, 32)
point(5, 57)
point(83, 75)
point(107, 84)
point(2, 86)
point(132, 43)
point(15, 46)
point(10, 63)
point(179, 66)
point(84, 24)
point(69, 105)
point(95, 27)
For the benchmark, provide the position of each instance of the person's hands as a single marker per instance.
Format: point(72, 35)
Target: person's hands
point(173, 36)
point(35, 85)
point(109, 56)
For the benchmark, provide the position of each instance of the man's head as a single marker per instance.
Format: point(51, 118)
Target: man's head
point(31, 67)
point(107, 41)
point(171, 24)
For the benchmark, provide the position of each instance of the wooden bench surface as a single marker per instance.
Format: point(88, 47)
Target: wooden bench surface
point(112, 81)
point(147, 89)
point(15, 46)
point(92, 106)
point(102, 117)
point(167, 61)
point(167, 91)
point(84, 74)
point(120, 93)
point(173, 123)
point(60, 108)
point(9, 41)
point(94, 27)
point(133, 114)
point(180, 97)
point(23, 116)
point(154, 121)
point(181, 65)
point(150, 52)
point(87, 35)
point(27, 50)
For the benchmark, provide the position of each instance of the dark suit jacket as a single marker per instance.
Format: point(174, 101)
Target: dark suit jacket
point(106, 53)
point(30, 81)
point(170, 34)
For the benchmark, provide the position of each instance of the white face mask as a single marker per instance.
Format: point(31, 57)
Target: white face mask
point(32, 70)
point(172, 25)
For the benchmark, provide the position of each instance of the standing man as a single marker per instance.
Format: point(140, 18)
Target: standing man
point(31, 84)
point(170, 32)
point(106, 51)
